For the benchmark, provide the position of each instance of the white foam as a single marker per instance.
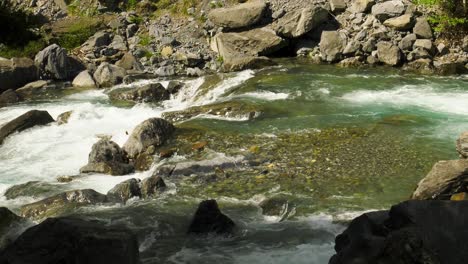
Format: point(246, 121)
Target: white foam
point(264, 95)
point(453, 102)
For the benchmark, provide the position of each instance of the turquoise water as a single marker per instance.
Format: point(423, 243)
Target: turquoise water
point(335, 142)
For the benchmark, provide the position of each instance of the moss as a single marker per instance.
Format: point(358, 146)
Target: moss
point(76, 32)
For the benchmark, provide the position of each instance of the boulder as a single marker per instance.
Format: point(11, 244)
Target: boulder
point(54, 63)
point(10, 224)
point(99, 39)
point(108, 158)
point(174, 87)
point(153, 92)
point(64, 117)
point(209, 219)
point(123, 191)
point(246, 62)
point(421, 66)
point(108, 75)
point(403, 22)
point(255, 42)
point(150, 133)
point(445, 178)
point(71, 240)
point(129, 62)
point(9, 97)
point(84, 79)
point(300, 22)
point(462, 145)
point(388, 9)
point(445, 66)
point(422, 29)
point(239, 16)
point(406, 43)
point(411, 232)
point(151, 186)
point(337, 6)
point(389, 53)
point(62, 203)
point(332, 44)
point(28, 120)
point(362, 6)
point(17, 72)
point(425, 44)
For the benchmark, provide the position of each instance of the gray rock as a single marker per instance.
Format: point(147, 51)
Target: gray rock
point(61, 203)
point(151, 186)
point(442, 49)
point(422, 29)
point(449, 67)
point(362, 6)
point(132, 29)
point(442, 180)
point(99, 39)
point(165, 71)
point(17, 72)
point(465, 44)
point(425, 44)
point(385, 10)
point(28, 120)
point(64, 117)
point(108, 75)
point(124, 191)
point(403, 22)
point(107, 157)
point(84, 79)
point(129, 62)
point(332, 44)
point(389, 53)
point(245, 62)
point(406, 43)
point(9, 97)
point(54, 63)
point(239, 16)
point(174, 87)
point(153, 92)
point(296, 24)
point(352, 47)
point(462, 145)
point(194, 72)
point(421, 66)
point(118, 43)
point(370, 45)
point(152, 132)
point(337, 6)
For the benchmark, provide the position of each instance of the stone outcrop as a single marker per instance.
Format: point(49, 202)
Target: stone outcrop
point(411, 232)
point(150, 133)
point(62, 203)
point(209, 219)
point(150, 93)
point(296, 24)
point(332, 44)
point(124, 191)
point(72, 240)
point(107, 75)
point(28, 120)
point(17, 72)
point(108, 158)
point(239, 16)
point(445, 179)
point(388, 53)
point(54, 63)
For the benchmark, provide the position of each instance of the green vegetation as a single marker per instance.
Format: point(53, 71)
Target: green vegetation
point(451, 17)
point(76, 32)
point(145, 40)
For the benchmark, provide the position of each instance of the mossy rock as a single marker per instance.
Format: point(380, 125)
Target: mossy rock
point(35, 189)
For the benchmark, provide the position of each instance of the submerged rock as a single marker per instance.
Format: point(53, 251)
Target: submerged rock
point(150, 133)
point(277, 206)
point(411, 232)
point(233, 109)
point(9, 97)
point(61, 203)
point(28, 120)
point(33, 189)
point(123, 191)
point(445, 179)
point(239, 16)
point(63, 117)
point(153, 93)
point(209, 219)
point(69, 240)
point(108, 158)
point(151, 186)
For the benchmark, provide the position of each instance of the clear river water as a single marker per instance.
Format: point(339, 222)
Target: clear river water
point(333, 142)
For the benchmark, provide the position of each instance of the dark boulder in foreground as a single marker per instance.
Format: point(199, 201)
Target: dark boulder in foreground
point(72, 241)
point(412, 232)
point(10, 225)
point(25, 121)
point(209, 219)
